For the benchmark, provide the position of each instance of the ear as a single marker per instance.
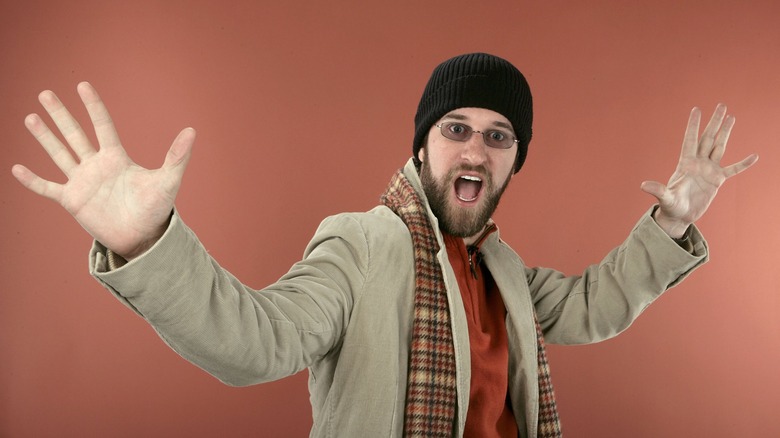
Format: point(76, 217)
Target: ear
point(514, 165)
point(422, 153)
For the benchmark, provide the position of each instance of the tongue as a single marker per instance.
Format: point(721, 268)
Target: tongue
point(467, 190)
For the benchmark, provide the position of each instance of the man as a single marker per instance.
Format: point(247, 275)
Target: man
point(413, 318)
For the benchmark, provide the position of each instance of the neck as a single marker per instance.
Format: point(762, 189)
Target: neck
point(478, 237)
point(473, 239)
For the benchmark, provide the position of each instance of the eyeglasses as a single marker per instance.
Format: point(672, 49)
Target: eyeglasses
point(494, 138)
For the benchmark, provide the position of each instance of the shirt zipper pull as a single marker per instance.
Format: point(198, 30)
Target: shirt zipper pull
point(471, 251)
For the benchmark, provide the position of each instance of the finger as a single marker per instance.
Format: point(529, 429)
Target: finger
point(741, 166)
point(722, 138)
point(37, 184)
point(51, 144)
point(180, 151)
point(67, 125)
point(101, 119)
point(656, 189)
point(708, 136)
point(691, 139)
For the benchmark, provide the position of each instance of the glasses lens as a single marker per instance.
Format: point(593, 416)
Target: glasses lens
point(460, 132)
point(498, 139)
point(456, 131)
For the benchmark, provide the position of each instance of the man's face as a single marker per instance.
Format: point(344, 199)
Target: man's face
point(464, 180)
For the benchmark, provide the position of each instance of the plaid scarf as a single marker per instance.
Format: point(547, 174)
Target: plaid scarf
point(431, 392)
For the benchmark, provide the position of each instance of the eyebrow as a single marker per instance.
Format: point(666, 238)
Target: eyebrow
point(458, 116)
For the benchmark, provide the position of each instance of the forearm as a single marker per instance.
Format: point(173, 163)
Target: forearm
point(237, 334)
point(607, 297)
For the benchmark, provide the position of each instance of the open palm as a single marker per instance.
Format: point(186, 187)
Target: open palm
point(699, 174)
point(122, 205)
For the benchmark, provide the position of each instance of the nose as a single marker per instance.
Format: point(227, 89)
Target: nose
point(474, 150)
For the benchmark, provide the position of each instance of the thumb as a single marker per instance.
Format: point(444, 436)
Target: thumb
point(654, 188)
point(180, 151)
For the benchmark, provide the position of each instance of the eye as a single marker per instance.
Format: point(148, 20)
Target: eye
point(457, 129)
point(497, 136)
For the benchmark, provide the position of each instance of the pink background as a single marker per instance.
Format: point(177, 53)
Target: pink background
point(304, 109)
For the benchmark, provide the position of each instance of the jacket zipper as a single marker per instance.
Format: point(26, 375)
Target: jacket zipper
point(472, 252)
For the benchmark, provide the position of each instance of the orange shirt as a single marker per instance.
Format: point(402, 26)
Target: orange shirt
point(490, 410)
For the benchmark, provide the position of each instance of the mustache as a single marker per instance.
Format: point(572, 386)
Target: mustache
point(480, 169)
point(468, 167)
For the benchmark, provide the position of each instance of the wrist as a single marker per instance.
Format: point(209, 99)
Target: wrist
point(140, 249)
point(147, 243)
point(675, 228)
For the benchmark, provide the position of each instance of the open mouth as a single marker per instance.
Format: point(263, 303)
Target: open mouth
point(467, 187)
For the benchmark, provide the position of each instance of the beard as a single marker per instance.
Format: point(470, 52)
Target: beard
point(455, 220)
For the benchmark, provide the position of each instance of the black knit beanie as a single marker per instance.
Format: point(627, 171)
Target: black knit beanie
point(476, 80)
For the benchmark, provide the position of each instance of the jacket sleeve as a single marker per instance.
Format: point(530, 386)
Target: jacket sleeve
point(240, 335)
point(609, 296)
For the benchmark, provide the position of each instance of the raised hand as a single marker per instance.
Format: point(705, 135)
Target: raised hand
point(122, 205)
point(698, 176)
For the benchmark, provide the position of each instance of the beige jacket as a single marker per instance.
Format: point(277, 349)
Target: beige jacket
point(344, 312)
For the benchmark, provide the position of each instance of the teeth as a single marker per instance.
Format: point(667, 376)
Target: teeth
point(471, 178)
point(464, 199)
